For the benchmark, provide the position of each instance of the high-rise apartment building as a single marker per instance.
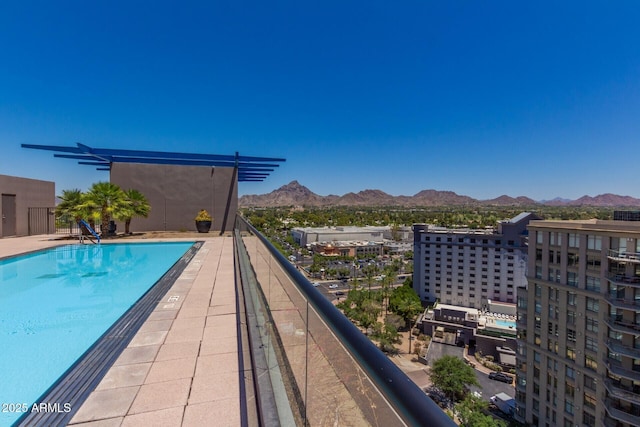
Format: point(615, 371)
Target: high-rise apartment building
point(463, 267)
point(578, 356)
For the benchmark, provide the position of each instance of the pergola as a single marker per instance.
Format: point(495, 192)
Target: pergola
point(250, 169)
point(177, 184)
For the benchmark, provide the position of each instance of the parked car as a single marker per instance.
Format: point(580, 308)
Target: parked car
point(333, 286)
point(499, 376)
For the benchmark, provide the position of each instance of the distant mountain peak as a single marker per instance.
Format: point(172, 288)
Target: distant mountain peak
point(292, 184)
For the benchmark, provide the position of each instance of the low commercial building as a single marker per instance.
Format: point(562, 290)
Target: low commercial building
point(348, 249)
point(304, 236)
point(489, 332)
point(26, 206)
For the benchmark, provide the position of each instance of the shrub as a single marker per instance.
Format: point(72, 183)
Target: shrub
point(203, 215)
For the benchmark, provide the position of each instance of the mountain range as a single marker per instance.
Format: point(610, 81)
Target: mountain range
point(295, 194)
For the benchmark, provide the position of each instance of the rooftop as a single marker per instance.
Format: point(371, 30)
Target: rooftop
point(343, 229)
point(589, 224)
point(201, 359)
point(181, 368)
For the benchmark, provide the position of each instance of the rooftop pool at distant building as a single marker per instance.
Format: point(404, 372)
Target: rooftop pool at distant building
point(506, 323)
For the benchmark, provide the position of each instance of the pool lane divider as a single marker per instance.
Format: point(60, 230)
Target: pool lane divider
point(65, 397)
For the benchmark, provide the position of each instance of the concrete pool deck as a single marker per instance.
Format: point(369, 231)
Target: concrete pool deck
point(181, 368)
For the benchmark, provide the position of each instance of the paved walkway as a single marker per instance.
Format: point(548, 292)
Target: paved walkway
point(181, 369)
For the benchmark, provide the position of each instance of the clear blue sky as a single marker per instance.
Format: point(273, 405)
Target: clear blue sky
point(482, 98)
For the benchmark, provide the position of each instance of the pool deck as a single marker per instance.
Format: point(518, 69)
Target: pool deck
point(181, 368)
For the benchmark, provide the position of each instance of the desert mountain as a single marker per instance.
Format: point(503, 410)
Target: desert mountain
point(505, 200)
point(607, 199)
point(295, 194)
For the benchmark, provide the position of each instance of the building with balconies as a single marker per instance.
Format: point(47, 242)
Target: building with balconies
point(578, 358)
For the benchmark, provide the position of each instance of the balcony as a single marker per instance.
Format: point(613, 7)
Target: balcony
point(622, 280)
point(618, 324)
point(615, 368)
point(624, 303)
point(625, 350)
point(620, 392)
point(624, 256)
point(616, 411)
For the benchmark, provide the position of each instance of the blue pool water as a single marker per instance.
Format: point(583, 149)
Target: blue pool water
point(56, 303)
point(506, 323)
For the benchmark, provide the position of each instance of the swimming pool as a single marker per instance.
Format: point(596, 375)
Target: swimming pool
point(506, 323)
point(55, 304)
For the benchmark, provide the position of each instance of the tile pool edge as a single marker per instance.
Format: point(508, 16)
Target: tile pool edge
point(65, 397)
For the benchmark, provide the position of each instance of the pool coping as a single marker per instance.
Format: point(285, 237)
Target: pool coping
point(65, 397)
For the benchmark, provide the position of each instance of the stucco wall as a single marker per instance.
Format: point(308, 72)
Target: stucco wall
point(177, 193)
point(29, 193)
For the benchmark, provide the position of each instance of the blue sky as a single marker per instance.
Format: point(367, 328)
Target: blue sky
point(482, 98)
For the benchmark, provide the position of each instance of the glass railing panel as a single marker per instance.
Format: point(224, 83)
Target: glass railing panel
point(332, 374)
point(323, 381)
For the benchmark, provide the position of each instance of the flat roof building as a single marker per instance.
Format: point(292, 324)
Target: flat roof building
point(348, 249)
point(304, 236)
point(492, 333)
point(26, 206)
point(464, 266)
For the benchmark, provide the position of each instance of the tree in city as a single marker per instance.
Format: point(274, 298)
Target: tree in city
point(405, 302)
point(472, 412)
point(137, 206)
point(109, 201)
point(368, 314)
point(70, 205)
point(360, 308)
point(387, 335)
point(451, 375)
point(387, 281)
point(396, 320)
point(370, 272)
point(408, 281)
point(314, 269)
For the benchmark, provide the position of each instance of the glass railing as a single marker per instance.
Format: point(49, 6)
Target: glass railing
point(321, 369)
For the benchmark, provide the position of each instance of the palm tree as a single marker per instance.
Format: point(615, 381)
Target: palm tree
point(369, 272)
point(109, 200)
point(137, 205)
point(70, 205)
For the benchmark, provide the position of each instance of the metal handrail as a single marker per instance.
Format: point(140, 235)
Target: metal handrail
point(407, 399)
point(624, 255)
